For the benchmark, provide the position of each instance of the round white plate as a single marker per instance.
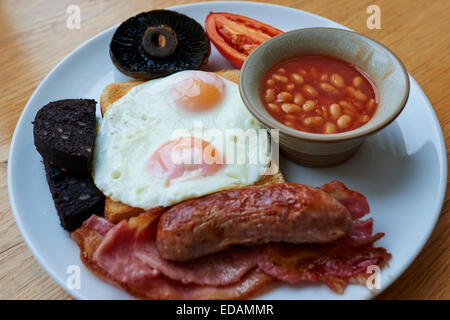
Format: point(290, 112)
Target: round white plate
point(402, 170)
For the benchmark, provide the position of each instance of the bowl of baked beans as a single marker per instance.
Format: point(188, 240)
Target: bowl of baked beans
point(325, 90)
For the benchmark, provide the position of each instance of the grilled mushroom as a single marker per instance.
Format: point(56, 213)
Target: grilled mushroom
point(158, 43)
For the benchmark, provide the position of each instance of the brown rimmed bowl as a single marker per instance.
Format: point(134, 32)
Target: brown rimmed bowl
point(381, 65)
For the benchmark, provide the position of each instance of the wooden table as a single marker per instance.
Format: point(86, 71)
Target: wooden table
point(34, 38)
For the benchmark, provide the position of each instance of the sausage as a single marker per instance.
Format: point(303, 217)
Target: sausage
point(287, 212)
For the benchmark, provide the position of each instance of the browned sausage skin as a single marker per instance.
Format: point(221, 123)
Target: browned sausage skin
point(287, 212)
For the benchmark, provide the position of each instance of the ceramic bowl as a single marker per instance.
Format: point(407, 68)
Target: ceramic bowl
point(379, 63)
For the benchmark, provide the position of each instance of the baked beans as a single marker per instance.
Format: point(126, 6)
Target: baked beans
point(319, 94)
point(309, 105)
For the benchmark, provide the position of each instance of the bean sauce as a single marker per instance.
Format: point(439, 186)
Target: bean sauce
point(319, 94)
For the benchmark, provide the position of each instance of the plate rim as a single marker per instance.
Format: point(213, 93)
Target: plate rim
point(50, 271)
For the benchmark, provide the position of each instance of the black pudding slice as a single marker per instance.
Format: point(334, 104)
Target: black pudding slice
point(64, 133)
point(75, 196)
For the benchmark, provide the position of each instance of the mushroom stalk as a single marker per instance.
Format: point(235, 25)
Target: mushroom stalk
point(159, 41)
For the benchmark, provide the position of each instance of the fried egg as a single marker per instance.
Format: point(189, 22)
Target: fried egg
point(177, 138)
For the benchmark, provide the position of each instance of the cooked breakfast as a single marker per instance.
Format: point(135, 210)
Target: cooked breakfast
point(318, 94)
point(192, 210)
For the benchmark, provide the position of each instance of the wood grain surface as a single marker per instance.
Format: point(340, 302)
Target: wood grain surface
point(34, 38)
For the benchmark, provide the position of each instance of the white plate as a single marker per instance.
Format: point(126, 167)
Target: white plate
point(402, 170)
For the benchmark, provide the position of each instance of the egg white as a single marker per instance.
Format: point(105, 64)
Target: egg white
point(136, 125)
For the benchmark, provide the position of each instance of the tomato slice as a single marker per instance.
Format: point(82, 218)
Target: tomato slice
point(236, 36)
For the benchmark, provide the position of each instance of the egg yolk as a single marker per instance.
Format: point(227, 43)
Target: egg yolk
point(185, 154)
point(201, 91)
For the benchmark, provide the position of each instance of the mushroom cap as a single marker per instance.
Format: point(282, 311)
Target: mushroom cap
point(129, 56)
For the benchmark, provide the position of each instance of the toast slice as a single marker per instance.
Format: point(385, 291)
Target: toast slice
point(116, 210)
